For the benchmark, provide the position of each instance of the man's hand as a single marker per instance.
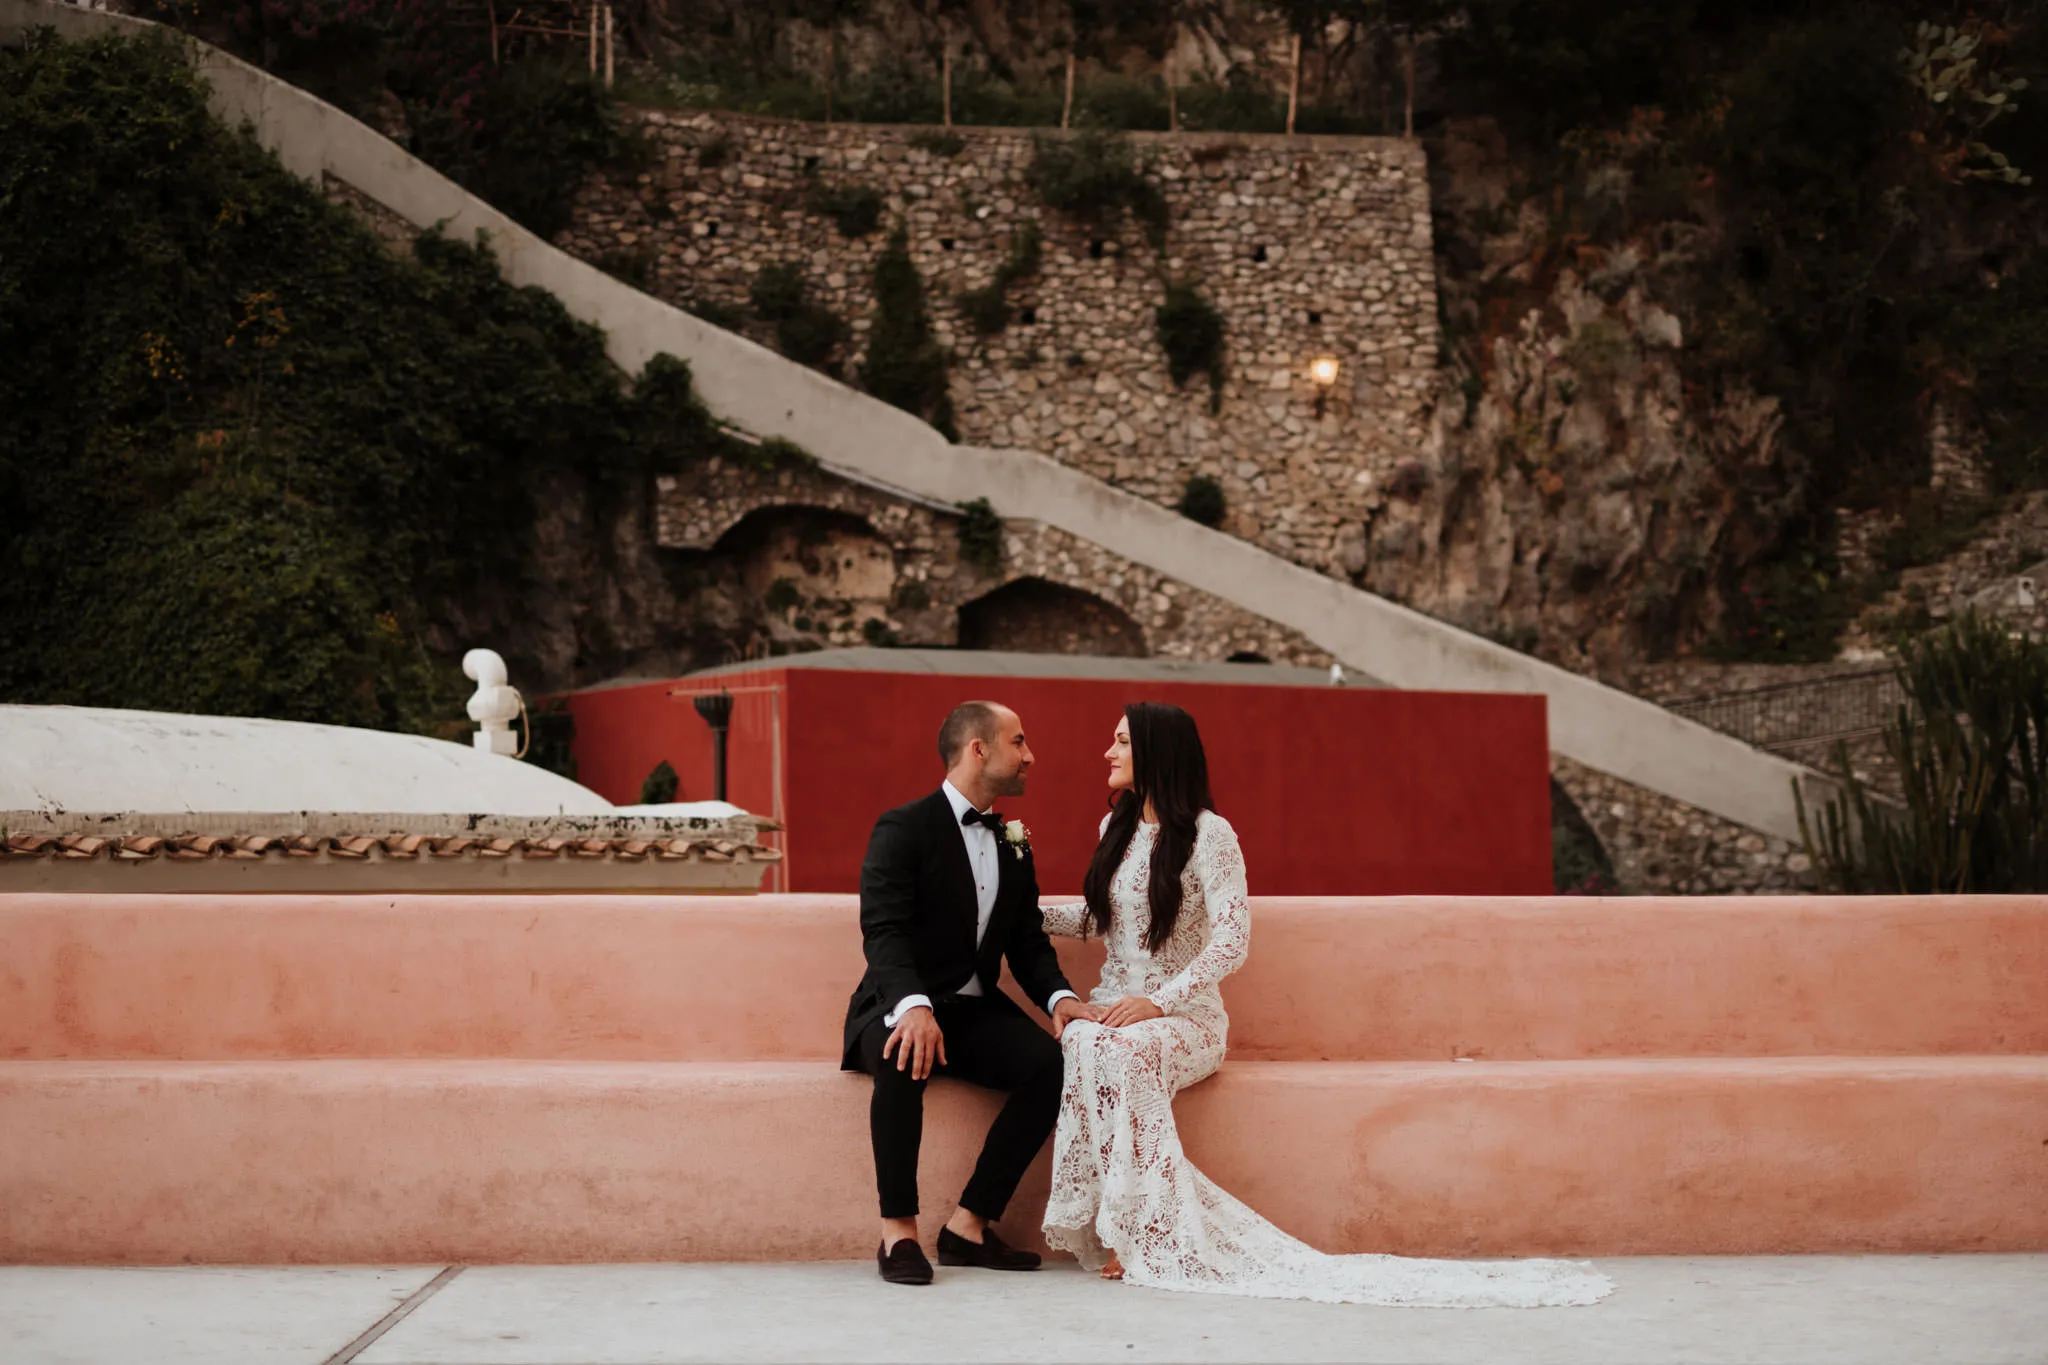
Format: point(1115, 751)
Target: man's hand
point(1068, 1010)
point(917, 1042)
point(1132, 1009)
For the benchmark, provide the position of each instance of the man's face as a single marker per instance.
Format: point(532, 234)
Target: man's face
point(1008, 758)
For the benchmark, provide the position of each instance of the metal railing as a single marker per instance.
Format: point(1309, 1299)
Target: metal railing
point(1795, 717)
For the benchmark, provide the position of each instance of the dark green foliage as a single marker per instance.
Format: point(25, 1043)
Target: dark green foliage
point(856, 209)
point(1579, 865)
point(905, 365)
point(988, 308)
point(981, 535)
point(939, 142)
point(1202, 501)
point(1097, 179)
point(877, 633)
point(808, 333)
point(521, 134)
point(2000, 337)
point(1191, 334)
point(659, 786)
point(1788, 610)
point(252, 460)
point(1971, 746)
point(543, 125)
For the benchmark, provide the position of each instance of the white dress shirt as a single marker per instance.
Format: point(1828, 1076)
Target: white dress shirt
point(984, 853)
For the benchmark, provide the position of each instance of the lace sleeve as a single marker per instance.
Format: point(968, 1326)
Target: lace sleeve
point(1066, 921)
point(1219, 867)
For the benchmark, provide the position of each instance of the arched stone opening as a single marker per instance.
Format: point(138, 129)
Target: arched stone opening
point(814, 572)
point(1038, 616)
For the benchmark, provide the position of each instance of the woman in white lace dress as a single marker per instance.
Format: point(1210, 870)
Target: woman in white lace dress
point(1166, 893)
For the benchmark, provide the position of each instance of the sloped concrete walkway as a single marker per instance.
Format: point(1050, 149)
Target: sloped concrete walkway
point(1986, 1310)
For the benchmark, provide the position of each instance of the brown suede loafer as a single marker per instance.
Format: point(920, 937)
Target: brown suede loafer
point(904, 1263)
point(990, 1253)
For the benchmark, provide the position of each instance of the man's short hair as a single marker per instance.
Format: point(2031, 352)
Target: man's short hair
point(968, 720)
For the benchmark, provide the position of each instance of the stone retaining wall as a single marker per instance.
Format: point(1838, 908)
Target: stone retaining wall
point(1308, 247)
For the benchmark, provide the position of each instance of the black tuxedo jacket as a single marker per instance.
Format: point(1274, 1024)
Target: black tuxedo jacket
point(918, 912)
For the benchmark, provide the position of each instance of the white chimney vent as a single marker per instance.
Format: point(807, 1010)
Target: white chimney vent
point(494, 705)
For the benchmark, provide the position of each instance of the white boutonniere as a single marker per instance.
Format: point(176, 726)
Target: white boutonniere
point(1017, 837)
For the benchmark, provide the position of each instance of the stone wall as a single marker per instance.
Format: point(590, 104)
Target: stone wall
point(1664, 847)
point(877, 557)
point(1309, 247)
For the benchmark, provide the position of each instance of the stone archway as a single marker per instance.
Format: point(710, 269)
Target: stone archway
point(1038, 616)
point(814, 572)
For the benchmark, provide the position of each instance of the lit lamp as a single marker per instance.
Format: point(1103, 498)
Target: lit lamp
point(717, 713)
point(1323, 369)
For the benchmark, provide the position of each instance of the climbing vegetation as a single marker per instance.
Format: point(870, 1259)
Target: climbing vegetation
point(253, 461)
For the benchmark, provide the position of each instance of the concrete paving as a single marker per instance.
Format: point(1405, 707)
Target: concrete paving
point(1984, 1310)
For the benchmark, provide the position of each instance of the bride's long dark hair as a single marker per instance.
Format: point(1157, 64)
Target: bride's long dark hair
point(1168, 766)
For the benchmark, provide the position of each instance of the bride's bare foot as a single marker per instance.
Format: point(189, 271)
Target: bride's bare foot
point(1114, 1270)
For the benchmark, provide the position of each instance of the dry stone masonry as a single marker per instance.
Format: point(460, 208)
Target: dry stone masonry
point(1308, 247)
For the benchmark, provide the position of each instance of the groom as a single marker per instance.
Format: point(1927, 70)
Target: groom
point(946, 893)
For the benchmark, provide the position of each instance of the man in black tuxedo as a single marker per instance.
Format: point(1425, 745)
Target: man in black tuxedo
point(947, 892)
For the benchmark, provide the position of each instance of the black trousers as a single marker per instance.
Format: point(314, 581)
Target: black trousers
point(989, 1042)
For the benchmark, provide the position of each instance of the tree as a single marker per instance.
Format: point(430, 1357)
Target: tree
point(829, 15)
point(1410, 23)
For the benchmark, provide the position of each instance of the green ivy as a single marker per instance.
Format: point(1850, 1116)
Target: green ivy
point(1096, 178)
point(1202, 501)
point(988, 308)
point(808, 333)
point(981, 535)
point(905, 365)
point(856, 209)
point(1191, 333)
point(254, 461)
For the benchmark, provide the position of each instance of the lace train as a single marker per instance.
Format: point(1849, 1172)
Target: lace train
point(1120, 1179)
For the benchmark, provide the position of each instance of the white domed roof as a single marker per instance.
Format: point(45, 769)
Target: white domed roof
point(77, 758)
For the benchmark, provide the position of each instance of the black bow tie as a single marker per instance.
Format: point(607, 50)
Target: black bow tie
point(988, 819)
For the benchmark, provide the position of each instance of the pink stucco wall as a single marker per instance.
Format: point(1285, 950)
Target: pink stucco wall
point(480, 1078)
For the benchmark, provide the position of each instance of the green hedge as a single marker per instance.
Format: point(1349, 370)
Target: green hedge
point(253, 456)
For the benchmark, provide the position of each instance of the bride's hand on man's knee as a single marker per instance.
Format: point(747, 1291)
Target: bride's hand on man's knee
point(1068, 1010)
point(1132, 1009)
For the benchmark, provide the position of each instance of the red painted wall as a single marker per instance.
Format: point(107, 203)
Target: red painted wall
point(1332, 791)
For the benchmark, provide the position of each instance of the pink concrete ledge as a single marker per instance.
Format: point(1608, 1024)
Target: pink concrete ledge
point(534, 1161)
point(713, 978)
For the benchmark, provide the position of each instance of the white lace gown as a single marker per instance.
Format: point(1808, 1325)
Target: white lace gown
point(1120, 1180)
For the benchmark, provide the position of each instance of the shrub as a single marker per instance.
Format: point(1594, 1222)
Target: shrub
point(1202, 501)
point(943, 142)
point(981, 535)
point(1971, 745)
point(1191, 334)
point(905, 365)
point(856, 209)
point(806, 332)
point(1096, 178)
point(988, 308)
point(658, 788)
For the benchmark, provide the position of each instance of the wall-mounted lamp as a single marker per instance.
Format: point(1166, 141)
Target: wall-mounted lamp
point(1323, 369)
point(717, 713)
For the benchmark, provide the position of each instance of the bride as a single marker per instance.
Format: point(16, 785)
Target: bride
point(1166, 894)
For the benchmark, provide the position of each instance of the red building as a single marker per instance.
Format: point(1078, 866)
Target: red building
point(1332, 790)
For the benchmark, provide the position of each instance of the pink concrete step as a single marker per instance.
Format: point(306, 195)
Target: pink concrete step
point(430, 1161)
point(711, 978)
